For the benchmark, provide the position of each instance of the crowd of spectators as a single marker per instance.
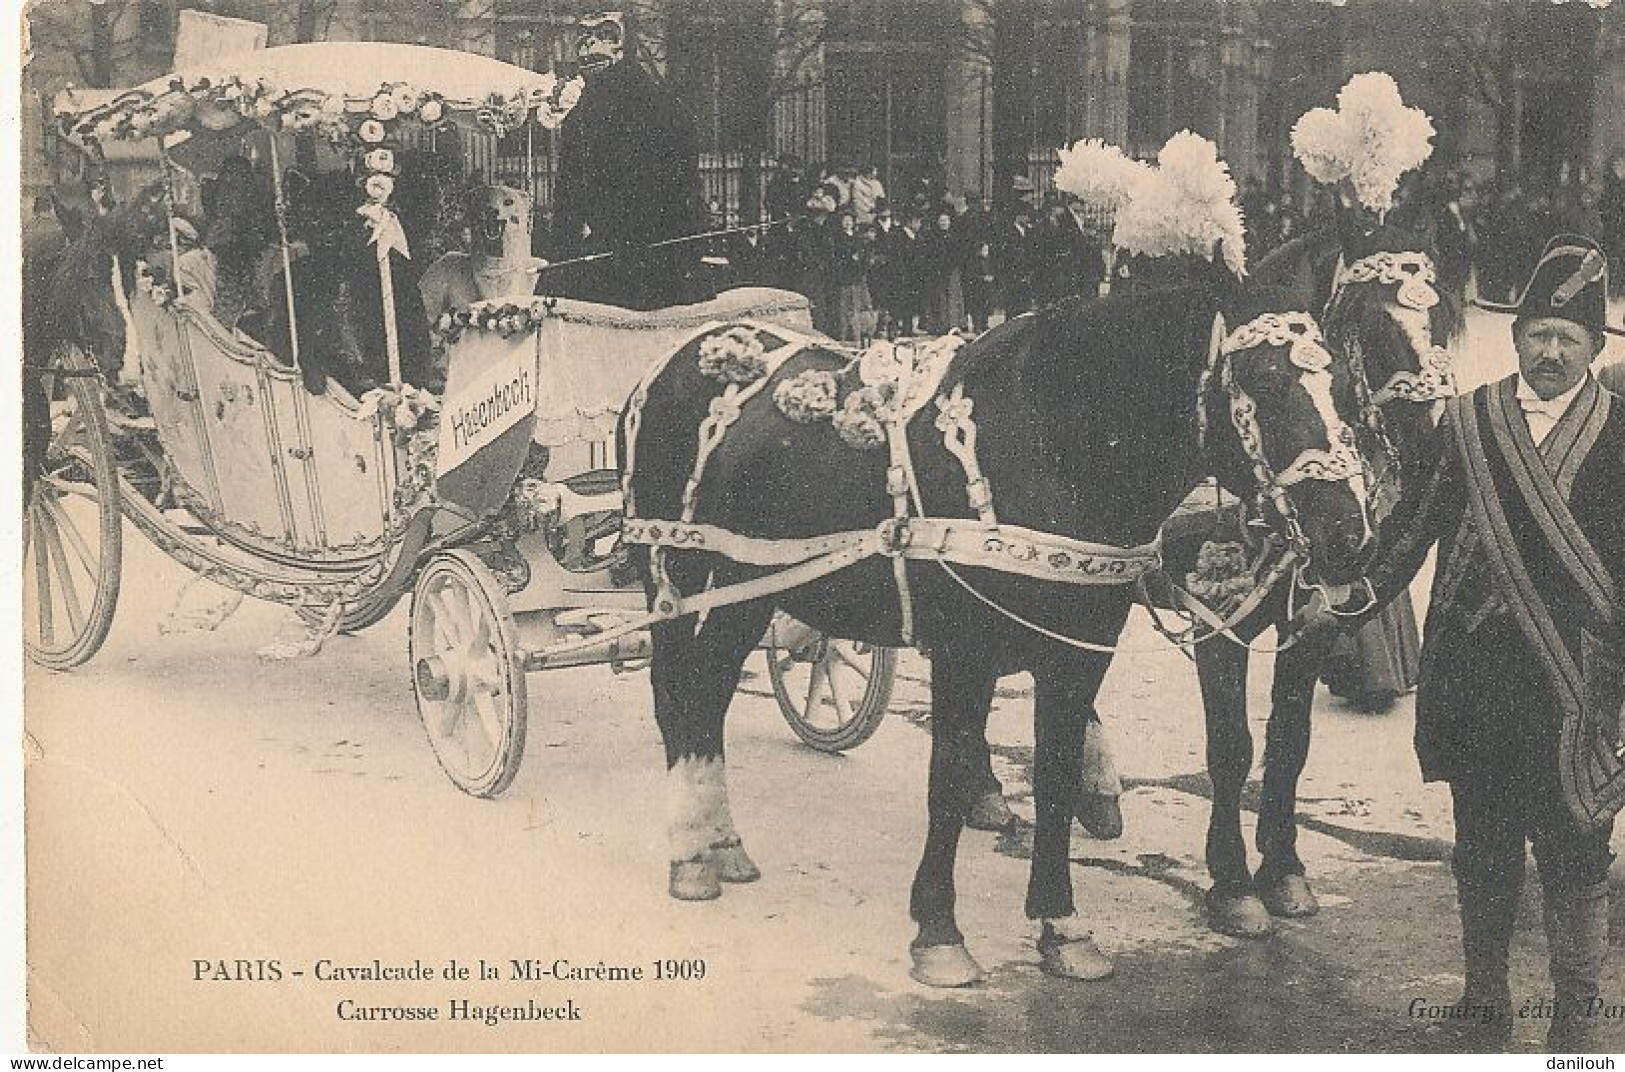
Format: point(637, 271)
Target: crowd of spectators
point(923, 261)
point(887, 263)
point(1488, 233)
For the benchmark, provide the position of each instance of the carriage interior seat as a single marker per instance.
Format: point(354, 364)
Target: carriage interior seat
point(264, 459)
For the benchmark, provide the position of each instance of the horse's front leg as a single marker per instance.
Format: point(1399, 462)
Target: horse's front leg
point(1280, 882)
point(695, 673)
point(1233, 906)
point(1063, 717)
point(962, 684)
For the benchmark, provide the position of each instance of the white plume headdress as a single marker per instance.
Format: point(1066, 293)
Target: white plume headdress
point(1370, 140)
point(1185, 205)
point(1099, 174)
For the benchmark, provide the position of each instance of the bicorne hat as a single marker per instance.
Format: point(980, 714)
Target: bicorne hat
point(1570, 282)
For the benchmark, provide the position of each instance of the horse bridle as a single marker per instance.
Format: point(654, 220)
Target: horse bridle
point(1413, 276)
point(1307, 352)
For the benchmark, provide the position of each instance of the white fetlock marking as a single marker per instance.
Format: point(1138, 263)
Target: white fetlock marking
point(1069, 928)
point(725, 818)
point(698, 800)
point(1099, 775)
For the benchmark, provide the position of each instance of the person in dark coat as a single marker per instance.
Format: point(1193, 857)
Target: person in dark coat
point(1522, 686)
point(750, 256)
point(904, 255)
point(942, 301)
point(849, 260)
point(882, 271)
point(1071, 261)
point(1014, 254)
point(628, 177)
point(811, 258)
point(975, 255)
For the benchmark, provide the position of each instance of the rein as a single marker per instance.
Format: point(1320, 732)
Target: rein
point(1342, 462)
point(723, 232)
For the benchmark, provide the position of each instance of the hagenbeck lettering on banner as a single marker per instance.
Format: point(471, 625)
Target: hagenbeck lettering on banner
point(494, 401)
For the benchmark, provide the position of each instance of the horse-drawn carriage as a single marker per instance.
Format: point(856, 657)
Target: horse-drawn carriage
point(339, 502)
point(1000, 504)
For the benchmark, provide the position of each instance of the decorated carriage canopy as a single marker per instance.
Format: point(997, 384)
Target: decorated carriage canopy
point(350, 91)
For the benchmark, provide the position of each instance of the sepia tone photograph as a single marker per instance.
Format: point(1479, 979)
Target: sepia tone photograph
point(822, 526)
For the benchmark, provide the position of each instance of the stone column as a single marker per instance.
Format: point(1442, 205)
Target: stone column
point(799, 112)
point(478, 25)
point(1106, 43)
point(1608, 98)
point(968, 102)
point(1237, 130)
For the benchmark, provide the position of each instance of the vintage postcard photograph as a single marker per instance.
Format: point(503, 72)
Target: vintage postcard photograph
point(821, 526)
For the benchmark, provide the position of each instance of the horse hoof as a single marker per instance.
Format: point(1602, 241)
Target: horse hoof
point(1238, 915)
point(1078, 958)
point(1101, 816)
point(944, 966)
point(1290, 897)
point(695, 880)
point(733, 863)
point(990, 812)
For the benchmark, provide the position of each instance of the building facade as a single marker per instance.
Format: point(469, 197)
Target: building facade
point(964, 95)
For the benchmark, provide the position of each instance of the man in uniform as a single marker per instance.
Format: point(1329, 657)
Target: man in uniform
point(629, 177)
point(1519, 702)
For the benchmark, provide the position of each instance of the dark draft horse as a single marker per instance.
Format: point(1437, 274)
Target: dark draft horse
point(1369, 328)
point(1090, 417)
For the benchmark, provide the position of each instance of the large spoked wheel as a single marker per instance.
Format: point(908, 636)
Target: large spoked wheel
point(72, 532)
point(832, 692)
point(467, 673)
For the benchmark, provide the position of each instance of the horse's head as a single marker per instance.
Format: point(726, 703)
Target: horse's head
point(1271, 413)
point(1395, 327)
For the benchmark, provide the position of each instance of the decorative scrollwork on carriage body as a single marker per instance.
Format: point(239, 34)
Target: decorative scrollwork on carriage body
point(305, 591)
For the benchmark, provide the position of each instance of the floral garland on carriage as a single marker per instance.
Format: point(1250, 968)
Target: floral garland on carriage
point(219, 102)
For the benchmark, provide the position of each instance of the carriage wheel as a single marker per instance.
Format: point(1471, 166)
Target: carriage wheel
point(467, 673)
point(832, 692)
point(72, 531)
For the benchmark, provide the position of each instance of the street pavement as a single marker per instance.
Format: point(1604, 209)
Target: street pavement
point(191, 802)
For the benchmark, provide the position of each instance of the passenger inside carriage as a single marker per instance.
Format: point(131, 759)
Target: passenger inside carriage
point(338, 288)
point(232, 274)
point(498, 262)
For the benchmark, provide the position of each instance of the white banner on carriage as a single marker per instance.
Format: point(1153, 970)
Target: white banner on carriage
point(202, 38)
point(492, 402)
